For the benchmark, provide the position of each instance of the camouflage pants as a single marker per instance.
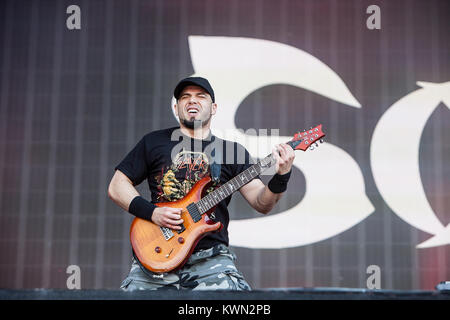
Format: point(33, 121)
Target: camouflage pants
point(209, 269)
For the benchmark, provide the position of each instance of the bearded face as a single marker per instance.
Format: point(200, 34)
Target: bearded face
point(195, 107)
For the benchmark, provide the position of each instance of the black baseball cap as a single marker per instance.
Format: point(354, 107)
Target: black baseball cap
point(196, 81)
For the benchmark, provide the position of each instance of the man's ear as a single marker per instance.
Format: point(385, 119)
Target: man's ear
point(214, 108)
point(176, 109)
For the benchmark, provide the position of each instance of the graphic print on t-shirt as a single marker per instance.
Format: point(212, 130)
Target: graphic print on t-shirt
point(177, 180)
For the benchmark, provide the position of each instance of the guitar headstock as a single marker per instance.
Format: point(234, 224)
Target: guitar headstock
point(305, 139)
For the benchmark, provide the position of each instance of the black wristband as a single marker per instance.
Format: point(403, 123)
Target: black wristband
point(141, 208)
point(278, 183)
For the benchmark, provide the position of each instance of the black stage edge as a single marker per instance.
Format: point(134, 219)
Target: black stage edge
point(266, 294)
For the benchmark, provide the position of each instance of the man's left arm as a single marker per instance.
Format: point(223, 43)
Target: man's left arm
point(263, 198)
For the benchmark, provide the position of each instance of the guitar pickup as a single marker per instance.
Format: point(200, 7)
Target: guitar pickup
point(194, 212)
point(182, 228)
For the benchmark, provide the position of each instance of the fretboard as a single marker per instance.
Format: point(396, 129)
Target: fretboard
point(227, 189)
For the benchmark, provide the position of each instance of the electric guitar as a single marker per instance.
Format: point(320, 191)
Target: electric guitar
point(161, 249)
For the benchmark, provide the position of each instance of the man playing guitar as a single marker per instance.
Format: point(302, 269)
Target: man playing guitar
point(171, 175)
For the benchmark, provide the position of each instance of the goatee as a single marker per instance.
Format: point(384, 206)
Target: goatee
point(192, 124)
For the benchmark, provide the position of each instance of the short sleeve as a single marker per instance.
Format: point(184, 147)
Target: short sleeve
point(134, 165)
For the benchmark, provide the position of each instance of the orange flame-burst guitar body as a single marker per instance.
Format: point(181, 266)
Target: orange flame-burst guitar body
point(159, 254)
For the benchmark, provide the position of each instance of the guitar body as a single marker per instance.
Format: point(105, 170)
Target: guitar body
point(160, 255)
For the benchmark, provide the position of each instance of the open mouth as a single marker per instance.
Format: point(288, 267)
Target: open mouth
point(192, 110)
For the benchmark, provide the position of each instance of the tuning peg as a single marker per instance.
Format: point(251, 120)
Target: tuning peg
point(311, 147)
point(316, 145)
point(321, 140)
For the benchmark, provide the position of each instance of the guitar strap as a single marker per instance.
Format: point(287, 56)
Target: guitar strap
point(216, 161)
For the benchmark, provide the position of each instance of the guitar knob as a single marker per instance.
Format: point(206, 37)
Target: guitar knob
point(180, 240)
point(158, 249)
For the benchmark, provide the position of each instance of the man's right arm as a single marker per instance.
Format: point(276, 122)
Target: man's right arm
point(122, 191)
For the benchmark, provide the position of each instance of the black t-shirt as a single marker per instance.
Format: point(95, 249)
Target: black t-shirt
point(173, 162)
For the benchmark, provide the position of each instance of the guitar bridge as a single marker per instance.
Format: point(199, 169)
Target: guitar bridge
point(167, 233)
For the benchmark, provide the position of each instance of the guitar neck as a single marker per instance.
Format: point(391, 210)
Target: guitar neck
point(227, 189)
